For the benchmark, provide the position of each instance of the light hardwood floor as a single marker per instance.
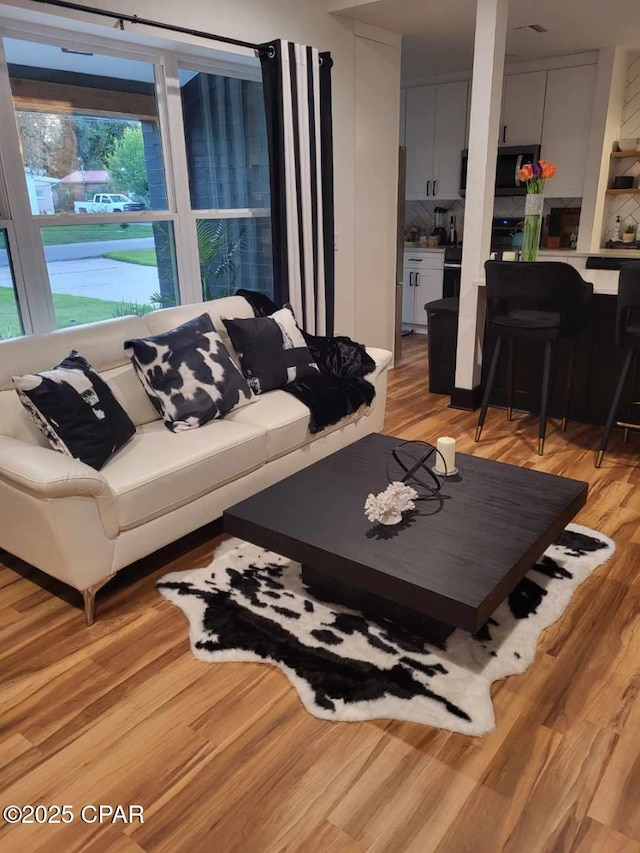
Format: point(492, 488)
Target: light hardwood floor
point(224, 758)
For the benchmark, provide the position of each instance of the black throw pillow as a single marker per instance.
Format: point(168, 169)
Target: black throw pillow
point(272, 350)
point(76, 411)
point(188, 374)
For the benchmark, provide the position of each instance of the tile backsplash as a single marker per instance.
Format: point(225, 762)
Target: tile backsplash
point(421, 213)
point(627, 207)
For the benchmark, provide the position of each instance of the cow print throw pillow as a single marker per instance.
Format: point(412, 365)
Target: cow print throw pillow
point(188, 374)
point(76, 411)
point(272, 350)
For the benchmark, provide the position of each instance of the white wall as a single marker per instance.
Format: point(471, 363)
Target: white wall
point(377, 96)
point(305, 21)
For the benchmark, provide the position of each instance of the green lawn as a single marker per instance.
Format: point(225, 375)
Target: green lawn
point(9, 318)
point(56, 235)
point(81, 309)
point(142, 257)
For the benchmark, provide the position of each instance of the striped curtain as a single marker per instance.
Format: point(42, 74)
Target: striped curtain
point(297, 92)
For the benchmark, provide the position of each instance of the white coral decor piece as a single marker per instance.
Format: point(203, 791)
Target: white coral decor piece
point(388, 506)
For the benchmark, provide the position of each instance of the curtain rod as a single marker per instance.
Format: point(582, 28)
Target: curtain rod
point(134, 19)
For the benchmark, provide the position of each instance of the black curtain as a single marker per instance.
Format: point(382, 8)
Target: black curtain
point(297, 93)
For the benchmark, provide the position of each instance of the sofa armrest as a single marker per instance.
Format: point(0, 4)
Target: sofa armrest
point(47, 474)
point(382, 358)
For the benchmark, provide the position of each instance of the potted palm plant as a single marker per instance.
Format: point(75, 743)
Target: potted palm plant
point(629, 234)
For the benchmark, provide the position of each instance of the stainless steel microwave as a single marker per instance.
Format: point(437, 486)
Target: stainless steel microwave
point(510, 161)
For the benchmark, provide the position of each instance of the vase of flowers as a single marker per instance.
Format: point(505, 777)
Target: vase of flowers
point(535, 176)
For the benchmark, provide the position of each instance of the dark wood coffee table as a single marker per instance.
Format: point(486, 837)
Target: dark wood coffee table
point(448, 567)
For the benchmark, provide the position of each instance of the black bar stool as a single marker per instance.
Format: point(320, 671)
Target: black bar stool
point(544, 302)
point(627, 337)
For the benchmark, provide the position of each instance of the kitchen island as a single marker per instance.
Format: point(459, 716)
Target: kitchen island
point(597, 366)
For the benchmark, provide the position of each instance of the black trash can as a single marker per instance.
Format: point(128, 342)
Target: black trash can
point(442, 327)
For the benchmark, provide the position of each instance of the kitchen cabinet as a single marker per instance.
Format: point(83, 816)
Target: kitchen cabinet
point(419, 134)
point(422, 283)
point(565, 130)
point(428, 287)
point(523, 108)
point(408, 296)
point(435, 132)
point(449, 136)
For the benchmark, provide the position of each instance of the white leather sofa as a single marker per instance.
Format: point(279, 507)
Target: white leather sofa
point(82, 526)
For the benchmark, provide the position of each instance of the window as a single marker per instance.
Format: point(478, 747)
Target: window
point(235, 253)
point(97, 272)
point(89, 124)
point(227, 157)
point(10, 320)
point(132, 182)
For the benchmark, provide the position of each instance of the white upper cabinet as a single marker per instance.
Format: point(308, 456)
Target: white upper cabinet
point(565, 132)
point(523, 108)
point(419, 135)
point(451, 120)
point(435, 135)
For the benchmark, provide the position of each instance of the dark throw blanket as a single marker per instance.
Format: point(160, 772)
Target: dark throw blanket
point(340, 388)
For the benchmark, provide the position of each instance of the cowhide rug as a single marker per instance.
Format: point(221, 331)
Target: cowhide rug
point(251, 605)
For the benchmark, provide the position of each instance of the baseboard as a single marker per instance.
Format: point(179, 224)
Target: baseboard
point(467, 399)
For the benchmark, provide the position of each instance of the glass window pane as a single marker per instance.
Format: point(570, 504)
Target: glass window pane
point(10, 321)
point(89, 130)
point(101, 271)
point(235, 253)
point(226, 138)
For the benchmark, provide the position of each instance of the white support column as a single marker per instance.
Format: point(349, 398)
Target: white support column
point(486, 98)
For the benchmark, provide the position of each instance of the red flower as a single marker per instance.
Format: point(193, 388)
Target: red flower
point(526, 173)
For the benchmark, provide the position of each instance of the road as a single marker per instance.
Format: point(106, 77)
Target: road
point(100, 278)
point(93, 249)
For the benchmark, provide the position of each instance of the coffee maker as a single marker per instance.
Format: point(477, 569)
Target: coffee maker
point(439, 229)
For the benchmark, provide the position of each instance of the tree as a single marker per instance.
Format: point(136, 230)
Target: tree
point(48, 142)
point(57, 144)
point(127, 165)
point(96, 139)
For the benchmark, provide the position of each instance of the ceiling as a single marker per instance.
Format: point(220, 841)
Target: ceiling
point(438, 34)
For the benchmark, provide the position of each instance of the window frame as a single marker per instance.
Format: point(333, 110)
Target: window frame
point(254, 74)
point(31, 276)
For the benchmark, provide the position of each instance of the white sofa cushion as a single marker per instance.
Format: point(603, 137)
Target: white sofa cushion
point(130, 393)
point(159, 471)
point(100, 343)
point(285, 419)
point(231, 307)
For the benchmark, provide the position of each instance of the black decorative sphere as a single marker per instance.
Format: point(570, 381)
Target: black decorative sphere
point(412, 463)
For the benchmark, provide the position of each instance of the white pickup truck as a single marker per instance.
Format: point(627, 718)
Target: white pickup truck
point(108, 203)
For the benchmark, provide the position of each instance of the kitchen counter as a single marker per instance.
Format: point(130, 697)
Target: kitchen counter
point(603, 253)
point(439, 250)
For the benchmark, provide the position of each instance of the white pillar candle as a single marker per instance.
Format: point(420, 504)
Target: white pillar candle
point(446, 446)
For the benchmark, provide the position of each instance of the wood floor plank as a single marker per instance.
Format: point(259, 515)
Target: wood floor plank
point(325, 837)
point(613, 804)
point(225, 758)
point(562, 795)
point(593, 837)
